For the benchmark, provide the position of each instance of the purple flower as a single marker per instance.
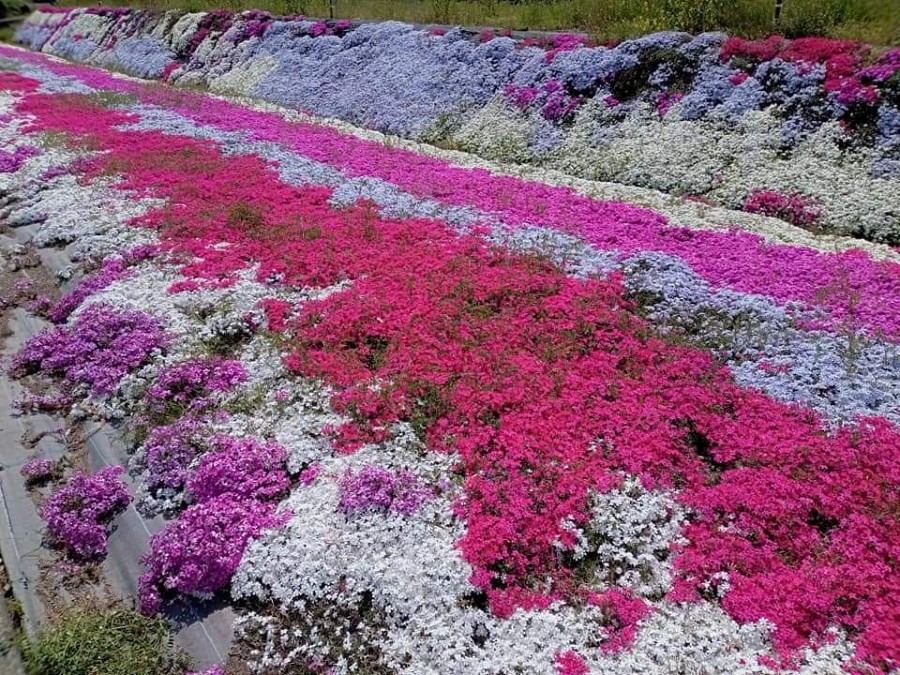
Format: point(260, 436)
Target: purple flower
point(521, 97)
point(37, 470)
point(77, 514)
point(10, 162)
point(309, 474)
point(243, 467)
point(375, 488)
point(666, 100)
point(54, 172)
point(559, 106)
point(169, 451)
point(200, 551)
point(98, 350)
point(40, 304)
point(189, 385)
point(112, 270)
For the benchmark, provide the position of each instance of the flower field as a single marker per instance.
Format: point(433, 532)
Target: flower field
point(412, 411)
point(806, 130)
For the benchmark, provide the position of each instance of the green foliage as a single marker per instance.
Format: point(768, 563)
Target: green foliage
point(693, 15)
point(112, 99)
point(10, 8)
point(813, 17)
point(111, 642)
point(15, 610)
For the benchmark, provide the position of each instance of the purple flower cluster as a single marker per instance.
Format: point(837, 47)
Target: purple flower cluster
point(54, 172)
point(40, 304)
point(168, 452)
point(666, 100)
point(376, 488)
point(200, 551)
point(78, 513)
point(38, 470)
point(521, 97)
point(556, 103)
point(187, 386)
point(884, 68)
point(243, 467)
point(10, 162)
point(98, 350)
point(112, 270)
point(793, 208)
point(232, 482)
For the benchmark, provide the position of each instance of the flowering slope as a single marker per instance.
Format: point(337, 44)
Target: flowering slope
point(691, 115)
point(542, 389)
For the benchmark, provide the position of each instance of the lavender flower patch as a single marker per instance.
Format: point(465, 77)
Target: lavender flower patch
point(77, 514)
point(374, 488)
point(96, 352)
point(732, 118)
point(199, 552)
point(242, 467)
point(10, 162)
point(168, 452)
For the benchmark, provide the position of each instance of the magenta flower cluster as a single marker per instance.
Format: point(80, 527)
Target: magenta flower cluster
point(37, 470)
point(557, 104)
point(97, 351)
point(666, 100)
point(200, 551)
point(793, 208)
point(375, 488)
point(243, 467)
point(78, 513)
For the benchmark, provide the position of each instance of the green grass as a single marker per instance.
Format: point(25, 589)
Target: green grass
point(874, 21)
point(111, 642)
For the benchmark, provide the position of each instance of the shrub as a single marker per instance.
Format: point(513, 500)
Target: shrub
point(793, 208)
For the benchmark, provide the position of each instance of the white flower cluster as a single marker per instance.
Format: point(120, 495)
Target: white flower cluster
point(680, 212)
point(722, 161)
point(629, 539)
